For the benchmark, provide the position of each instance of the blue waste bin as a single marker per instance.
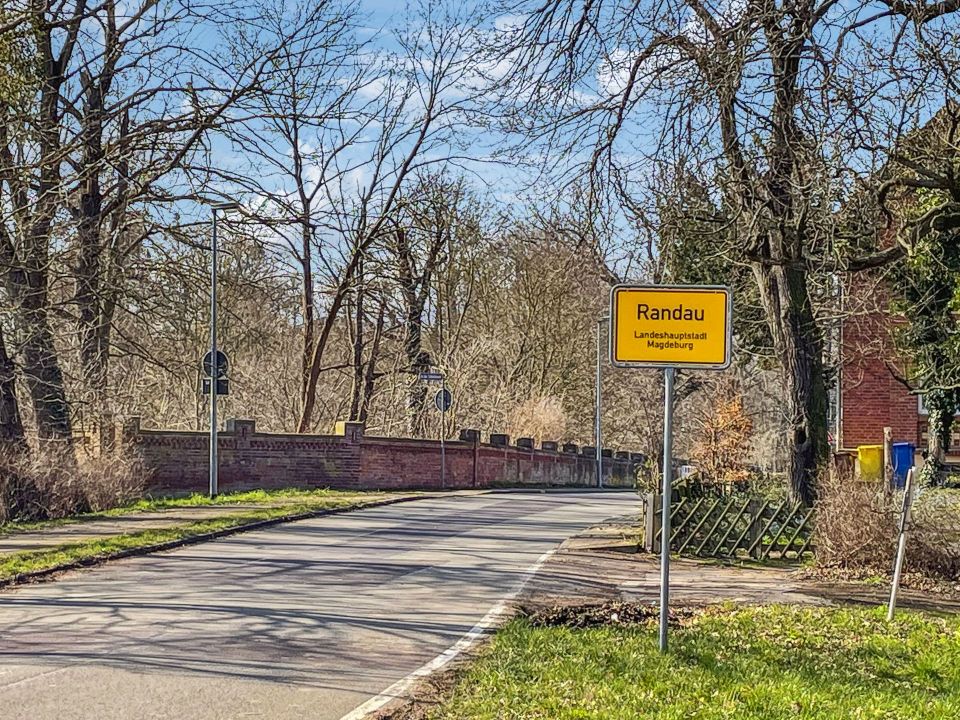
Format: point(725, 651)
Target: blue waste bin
point(903, 453)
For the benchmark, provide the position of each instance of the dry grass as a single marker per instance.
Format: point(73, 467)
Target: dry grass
point(541, 418)
point(857, 525)
point(53, 483)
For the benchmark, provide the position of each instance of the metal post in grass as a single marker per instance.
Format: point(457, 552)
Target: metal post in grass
point(901, 544)
point(668, 378)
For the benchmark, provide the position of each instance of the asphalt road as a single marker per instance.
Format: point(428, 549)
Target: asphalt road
point(305, 620)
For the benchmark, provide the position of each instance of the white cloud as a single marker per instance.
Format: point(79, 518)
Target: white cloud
point(614, 71)
point(509, 23)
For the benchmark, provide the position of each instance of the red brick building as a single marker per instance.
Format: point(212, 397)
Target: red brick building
point(873, 390)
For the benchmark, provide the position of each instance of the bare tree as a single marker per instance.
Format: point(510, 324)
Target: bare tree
point(119, 98)
point(780, 107)
point(429, 220)
point(334, 140)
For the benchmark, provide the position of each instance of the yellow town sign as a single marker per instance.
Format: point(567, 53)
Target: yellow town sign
point(667, 326)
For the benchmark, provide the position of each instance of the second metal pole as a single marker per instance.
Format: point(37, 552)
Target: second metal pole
point(668, 378)
point(213, 360)
point(901, 544)
point(443, 413)
point(596, 426)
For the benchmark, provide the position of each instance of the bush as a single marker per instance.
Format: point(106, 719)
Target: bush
point(857, 525)
point(723, 439)
point(54, 484)
point(933, 546)
point(540, 417)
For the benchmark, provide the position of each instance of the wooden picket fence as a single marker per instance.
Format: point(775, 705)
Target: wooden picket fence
point(732, 526)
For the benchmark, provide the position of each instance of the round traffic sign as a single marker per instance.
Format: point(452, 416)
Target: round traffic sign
point(443, 400)
point(222, 365)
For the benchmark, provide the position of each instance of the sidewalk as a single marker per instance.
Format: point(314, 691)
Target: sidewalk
point(134, 522)
point(118, 525)
point(601, 565)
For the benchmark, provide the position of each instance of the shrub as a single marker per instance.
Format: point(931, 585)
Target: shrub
point(857, 525)
point(539, 417)
point(723, 439)
point(54, 484)
point(933, 546)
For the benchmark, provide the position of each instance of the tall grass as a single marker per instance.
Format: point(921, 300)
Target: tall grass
point(857, 525)
point(52, 483)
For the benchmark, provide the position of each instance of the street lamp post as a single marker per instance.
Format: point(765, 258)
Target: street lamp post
point(598, 405)
point(224, 206)
point(443, 415)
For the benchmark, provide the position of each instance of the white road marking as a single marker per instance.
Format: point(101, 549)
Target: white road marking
point(38, 676)
point(493, 619)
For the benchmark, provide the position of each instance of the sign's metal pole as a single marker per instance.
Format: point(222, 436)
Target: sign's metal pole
point(901, 544)
point(443, 414)
point(596, 426)
point(213, 359)
point(668, 378)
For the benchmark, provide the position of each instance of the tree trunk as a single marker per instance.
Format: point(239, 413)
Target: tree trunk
point(307, 307)
point(40, 365)
point(356, 399)
point(799, 348)
point(313, 371)
point(12, 438)
point(941, 406)
point(93, 356)
point(41, 369)
point(27, 278)
point(15, 491)
point(418, 361)
point(89, 266)
point(370, 372)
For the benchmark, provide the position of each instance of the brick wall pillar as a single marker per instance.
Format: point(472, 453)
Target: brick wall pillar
point(350, 431)
point(127, 433)
point(242, 430)
point(472, 436)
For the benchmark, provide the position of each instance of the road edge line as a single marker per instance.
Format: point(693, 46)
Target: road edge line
point(494, 618)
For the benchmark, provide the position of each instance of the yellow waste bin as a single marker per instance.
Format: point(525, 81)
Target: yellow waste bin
point(870, 458)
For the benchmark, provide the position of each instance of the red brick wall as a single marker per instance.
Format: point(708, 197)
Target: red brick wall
point(395, 462)
point(179, 462)
point(401, 463)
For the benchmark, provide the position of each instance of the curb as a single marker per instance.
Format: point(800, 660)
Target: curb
point(558, 489)
point(47, 574)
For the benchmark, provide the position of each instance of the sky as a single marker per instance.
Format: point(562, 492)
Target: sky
point(504, 179)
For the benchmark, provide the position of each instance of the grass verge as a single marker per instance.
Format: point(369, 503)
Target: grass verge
point(769, 663)
point(285, 496)
point(18, 564)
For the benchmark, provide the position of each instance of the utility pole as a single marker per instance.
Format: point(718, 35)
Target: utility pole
point(598, 405)
point(214, 376)
point(443, 413)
